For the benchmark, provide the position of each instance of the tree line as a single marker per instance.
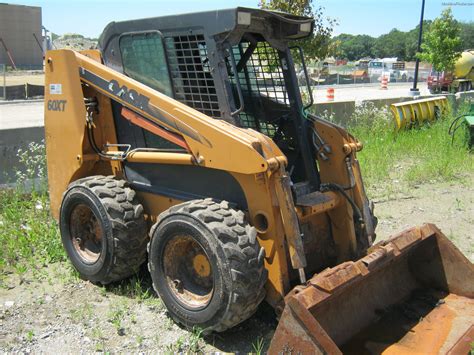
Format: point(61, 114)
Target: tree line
point(396, 43)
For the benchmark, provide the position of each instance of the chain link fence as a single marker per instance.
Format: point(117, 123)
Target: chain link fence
point(352, 75)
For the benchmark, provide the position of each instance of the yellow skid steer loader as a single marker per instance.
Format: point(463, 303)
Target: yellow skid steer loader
point(184, 142)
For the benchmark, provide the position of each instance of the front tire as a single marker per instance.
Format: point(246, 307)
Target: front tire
point(206, 265)
point(103, 229)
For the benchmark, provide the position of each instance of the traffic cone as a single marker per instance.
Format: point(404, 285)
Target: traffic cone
point(330, 94)
point(384, 83)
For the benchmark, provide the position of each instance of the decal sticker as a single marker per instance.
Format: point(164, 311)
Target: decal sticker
point(55, 89)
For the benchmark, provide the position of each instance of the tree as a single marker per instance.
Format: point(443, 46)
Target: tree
point(355, 47)
point(467, 35)
point(442, 45)
point(319, 44)
point(391, 44)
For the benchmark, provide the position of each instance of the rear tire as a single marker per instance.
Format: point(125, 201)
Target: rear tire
point(206, 265)
point(103, 229)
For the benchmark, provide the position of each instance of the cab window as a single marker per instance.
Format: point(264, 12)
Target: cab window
point(144, 59)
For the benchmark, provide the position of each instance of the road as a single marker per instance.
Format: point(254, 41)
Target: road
point(367, 92)
point(30, 114)
point(21, 115)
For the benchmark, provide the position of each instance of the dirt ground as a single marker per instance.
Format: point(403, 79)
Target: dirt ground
point(54, 311)
point(449, 205)
point(19, 78)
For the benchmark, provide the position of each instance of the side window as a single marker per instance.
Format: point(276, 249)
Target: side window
point(144, 59)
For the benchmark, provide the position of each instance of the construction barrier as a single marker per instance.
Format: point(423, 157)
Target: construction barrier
point(21, 92)
point(330, 94)
point(414, 113)
point(34, 90)
point(384, 83)
point(13, 92)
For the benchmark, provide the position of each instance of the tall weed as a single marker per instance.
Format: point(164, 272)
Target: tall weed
point(414, 156)
point(28, 235)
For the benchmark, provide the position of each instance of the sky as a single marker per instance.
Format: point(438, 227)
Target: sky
point(372, 17)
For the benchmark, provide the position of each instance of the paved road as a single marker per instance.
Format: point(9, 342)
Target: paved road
point(367, 92)
point(30, 114)
point(20, 115)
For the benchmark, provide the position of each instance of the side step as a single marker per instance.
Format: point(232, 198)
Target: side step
point(316, 202)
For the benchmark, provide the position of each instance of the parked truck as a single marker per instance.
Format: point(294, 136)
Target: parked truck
point(454, 81)
point(391, 68)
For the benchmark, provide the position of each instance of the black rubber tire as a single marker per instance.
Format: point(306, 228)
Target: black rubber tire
point(124, 230)
point(235, 257)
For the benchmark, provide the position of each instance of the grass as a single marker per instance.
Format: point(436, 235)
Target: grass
point(190, 344)
point(138, 287)
point(410, 157)
point(117, 315)
point(29, 336)
point(29, 236)
point(83, 313)
point(258, 346)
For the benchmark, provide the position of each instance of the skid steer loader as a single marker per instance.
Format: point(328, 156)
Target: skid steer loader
point(184, 142)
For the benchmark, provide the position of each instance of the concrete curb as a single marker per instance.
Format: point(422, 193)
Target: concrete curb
point(14, 102)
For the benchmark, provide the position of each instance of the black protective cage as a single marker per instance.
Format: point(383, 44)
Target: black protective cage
point(236, 65)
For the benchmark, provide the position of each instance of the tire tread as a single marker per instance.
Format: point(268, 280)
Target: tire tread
point(243, 253)
point(127, 221)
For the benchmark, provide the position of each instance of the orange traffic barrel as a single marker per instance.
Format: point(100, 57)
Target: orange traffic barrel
point(384, 83)
point(330, 94)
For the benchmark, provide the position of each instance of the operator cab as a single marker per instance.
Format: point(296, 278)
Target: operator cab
point(233, 64)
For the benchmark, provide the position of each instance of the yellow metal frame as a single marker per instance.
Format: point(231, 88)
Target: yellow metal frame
point(252, 158)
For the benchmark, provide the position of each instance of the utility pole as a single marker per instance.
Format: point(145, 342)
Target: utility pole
point(414, 90)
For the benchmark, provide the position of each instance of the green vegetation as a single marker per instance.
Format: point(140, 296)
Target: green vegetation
point(29, 336)
point(190, 344)
point(258, 346)
point(442, 45)
point(83, 313)
point(396, 43)
point(116, 316)
point(29, 236)
point(415, 156)
point(139, 288)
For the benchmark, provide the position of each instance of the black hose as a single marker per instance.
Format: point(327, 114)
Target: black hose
point(92, 142)
point(339, 188)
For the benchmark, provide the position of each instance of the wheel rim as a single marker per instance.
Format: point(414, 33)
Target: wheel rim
point(188, 272)
point(86, 233)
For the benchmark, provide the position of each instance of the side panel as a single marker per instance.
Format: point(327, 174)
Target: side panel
point(183, 182)
point(69, 155)
point(64, 123)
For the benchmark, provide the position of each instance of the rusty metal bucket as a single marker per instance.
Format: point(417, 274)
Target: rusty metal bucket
point(413, 293)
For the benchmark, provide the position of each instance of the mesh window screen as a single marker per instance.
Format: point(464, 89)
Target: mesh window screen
point(265, 96)
point(192, 80)
point(144, 59)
